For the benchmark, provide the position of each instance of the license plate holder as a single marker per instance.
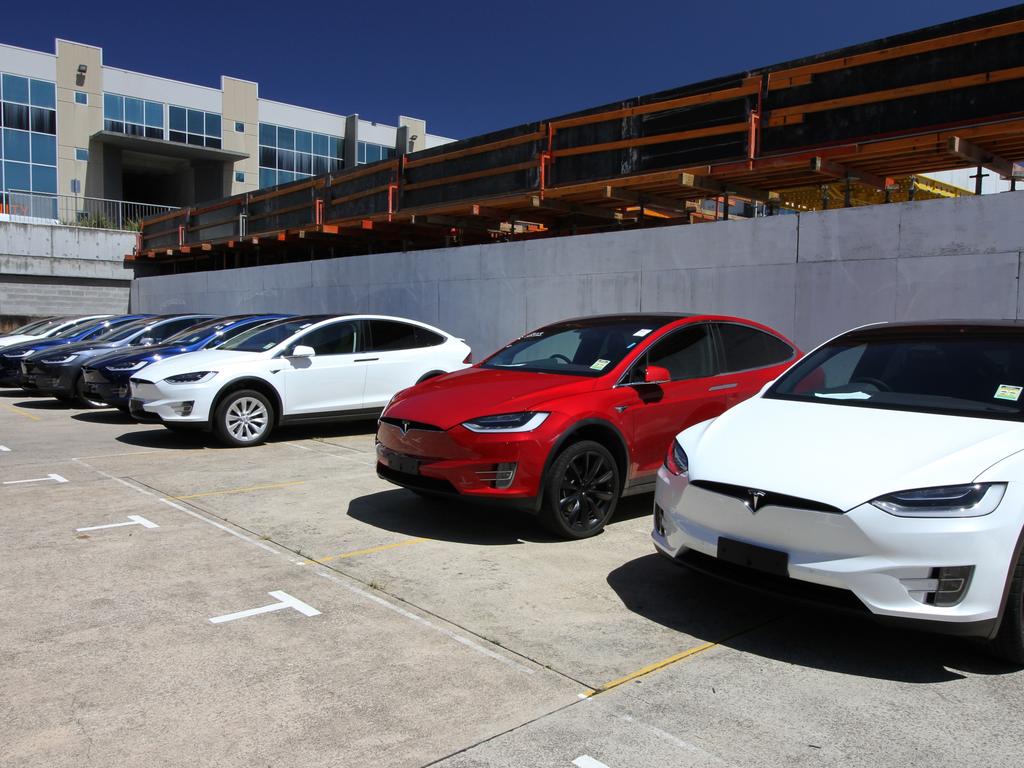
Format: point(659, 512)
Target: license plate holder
point(404, 464)
point(752, 556)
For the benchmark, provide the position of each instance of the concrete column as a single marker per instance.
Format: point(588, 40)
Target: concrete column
point(351, 137)
point(77, 122)
point(241, 105)
point(416, 133)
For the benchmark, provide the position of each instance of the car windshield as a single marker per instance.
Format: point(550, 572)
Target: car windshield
point(589, 347)
point(37, 327)
point(125, 331)
point(957, 370)
point(79, 326)
point(264, 337)
point(196, 333)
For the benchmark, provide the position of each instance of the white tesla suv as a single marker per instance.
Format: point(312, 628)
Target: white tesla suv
point(884, 471)
point(297, 369)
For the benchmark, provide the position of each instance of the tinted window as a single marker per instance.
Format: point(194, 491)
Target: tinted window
point(335, 339)
point(262, 338)
point(687, 354)
point(747, 348)
point(387, 335)
point(974, 373)
point(168, 329)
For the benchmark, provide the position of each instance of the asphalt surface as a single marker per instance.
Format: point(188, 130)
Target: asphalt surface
point(393, 631)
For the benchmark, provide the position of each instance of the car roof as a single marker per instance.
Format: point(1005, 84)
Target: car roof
point(904, 329)
point(662, 318)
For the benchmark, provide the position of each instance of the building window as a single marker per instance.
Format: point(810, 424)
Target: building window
point(28, 142)
point(287, 154)
point(239, 176)
point(82, 154)
point(371, 153)
point(193, 126)
point(81, 97)
point(133, 117)
point(239, 127)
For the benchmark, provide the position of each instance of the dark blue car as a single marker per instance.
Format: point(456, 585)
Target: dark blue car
point(87, 330)
point(106, 378)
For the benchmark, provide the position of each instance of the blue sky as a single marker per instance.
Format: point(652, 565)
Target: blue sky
point(467, 67)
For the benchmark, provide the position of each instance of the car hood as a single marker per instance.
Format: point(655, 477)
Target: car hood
point(153, 354)
point(6, 341)
point(36, 344)
point(203, 360)
point(844, 455)
point(87, 348)
point(456, 397)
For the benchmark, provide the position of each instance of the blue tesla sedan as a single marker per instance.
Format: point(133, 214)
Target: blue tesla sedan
point(106, 378)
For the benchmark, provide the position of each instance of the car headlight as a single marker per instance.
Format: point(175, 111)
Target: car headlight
point(18, 355)
point(58, 360)
point(676, 460)
point(973, 500)
point(127, 366)
point(196, 377)
point(526, 421)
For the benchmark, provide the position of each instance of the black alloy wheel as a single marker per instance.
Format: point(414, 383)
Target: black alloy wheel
point(581, 491)
point(82, 396)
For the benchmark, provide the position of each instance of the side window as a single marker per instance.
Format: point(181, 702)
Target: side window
point(425, 338)
point(687, 354)
point(745, 348)
point(335, 339)
point(389, 335)
point(230, 333)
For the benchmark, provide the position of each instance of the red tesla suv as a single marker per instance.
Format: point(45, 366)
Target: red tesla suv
point(570, 417)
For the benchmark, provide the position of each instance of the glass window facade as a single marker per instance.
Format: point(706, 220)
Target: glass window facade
point(371, 153)
point(28, 135)
point(287, 154)
point(193, 126)
point(133, 117)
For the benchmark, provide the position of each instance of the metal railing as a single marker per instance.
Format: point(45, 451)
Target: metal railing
point(76, 210)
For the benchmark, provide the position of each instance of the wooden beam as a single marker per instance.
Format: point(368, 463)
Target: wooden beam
point(971, 152)
point(827, 167)
point(643, 199)
point(536, 201)
point(725, 187)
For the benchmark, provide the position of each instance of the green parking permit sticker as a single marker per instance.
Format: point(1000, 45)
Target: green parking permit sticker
point(600, 365)
point(1008, 392)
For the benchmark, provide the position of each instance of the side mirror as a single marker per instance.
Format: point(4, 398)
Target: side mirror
point(655, 374)
point(302, 351)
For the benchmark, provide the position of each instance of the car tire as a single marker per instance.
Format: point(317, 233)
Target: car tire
point(581, 491)
point(82, 398)
point(1008, 644)
point(243, 418)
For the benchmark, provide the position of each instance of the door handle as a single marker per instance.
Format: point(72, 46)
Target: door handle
point(366, 359)
point(719, 387)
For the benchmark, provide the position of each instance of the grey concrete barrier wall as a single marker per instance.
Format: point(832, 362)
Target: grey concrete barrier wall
point(53, 270)
point(810, 275)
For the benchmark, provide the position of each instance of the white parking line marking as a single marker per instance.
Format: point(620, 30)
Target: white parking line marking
point(586, 761)
point(284, 601)
point(4, 449)
point(51, 476)
point(132, 520)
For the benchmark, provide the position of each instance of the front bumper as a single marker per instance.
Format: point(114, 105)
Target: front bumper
point(461, 462)
point(884, 562)
point(175, 403)
point(113, 392)
point(44, 379)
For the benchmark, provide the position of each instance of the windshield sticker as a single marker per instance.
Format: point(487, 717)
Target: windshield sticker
point(1008, 392)
point(843, 395)
point(600, 365)
point(534, 335)
point(643, 332)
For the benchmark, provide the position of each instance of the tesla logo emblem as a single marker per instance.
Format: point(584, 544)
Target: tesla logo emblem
point(756, 497)
point(405, 427)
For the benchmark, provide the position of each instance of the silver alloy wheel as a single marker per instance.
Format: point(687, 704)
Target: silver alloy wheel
point(246, 419)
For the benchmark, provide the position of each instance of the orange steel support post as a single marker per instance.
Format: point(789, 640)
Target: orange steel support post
point(318, 213)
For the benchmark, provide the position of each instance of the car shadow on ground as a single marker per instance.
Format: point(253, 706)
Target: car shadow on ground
point(15, 393)
point(189, 439)
point(104, 416)
point(463, 521)
point(773, 628)
point(44, 404)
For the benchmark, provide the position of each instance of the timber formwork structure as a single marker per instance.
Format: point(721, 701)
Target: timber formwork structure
point(855, 124)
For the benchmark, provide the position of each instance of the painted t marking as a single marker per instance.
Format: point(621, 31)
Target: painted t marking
point(284, 601)
point(51, 476)
point(132, 520)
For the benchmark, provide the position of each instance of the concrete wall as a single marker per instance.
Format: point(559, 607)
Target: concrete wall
point(51, 270)
point(810, 276)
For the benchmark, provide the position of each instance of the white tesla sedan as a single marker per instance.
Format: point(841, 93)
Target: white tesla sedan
point(297, 369)
point(884, 472)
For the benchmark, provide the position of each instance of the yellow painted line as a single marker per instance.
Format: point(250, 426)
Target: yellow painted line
point(20, 412)
point(650, 668)
point(239, 490)
point(370, 551)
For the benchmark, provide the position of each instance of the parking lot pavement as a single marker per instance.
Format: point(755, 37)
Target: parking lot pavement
point(358, 624)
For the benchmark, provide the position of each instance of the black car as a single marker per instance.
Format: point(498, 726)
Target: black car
point(58, 372)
